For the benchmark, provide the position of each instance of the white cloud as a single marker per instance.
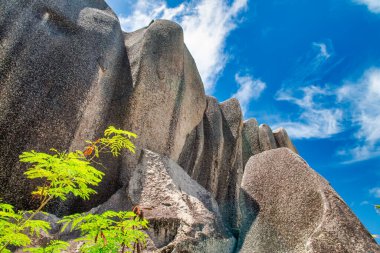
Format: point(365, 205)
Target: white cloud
point(363, 97)
point(206, 25)
point(375, 192)
point(372, 5)
point(323, 52)
point(315, 120)
point(249, 89)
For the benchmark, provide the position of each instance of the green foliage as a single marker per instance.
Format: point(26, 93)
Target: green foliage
point(15, 229)
point(107, 232)
point(64, 173)
point(55, 246)
point(114, 140)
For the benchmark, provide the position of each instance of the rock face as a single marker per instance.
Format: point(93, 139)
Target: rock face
point(283, 140)
point(288, 207)
point(250, 139)
point(183, 216)
point(215, 148)
point(266, 138)
point(67, 71)
point(168, 99)
point(63, 79)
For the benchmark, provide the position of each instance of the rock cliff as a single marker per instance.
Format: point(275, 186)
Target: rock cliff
point(212, 182)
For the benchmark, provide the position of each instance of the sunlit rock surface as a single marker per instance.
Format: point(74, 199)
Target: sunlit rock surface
point(67, 71)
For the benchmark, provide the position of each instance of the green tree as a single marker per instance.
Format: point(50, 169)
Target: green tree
point(63, 174)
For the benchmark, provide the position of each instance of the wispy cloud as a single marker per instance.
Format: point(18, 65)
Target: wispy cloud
point(206, 25)
point(375, 192)
point(249, 89)
point(323, 52)
point(363, 98)
point(372, 5)
point(313, 65)
point(315, 120)
point(358, 101)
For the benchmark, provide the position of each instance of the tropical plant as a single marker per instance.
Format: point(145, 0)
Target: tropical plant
point(15, 228)
point(72, 173)
point(54, 246)
point(107, 232)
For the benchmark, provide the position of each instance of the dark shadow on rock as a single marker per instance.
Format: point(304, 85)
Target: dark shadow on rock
point(249, 209)
point(62, 81)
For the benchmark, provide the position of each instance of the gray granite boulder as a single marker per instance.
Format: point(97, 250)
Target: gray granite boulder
point(183, 216)
point(288, 207)
point(168, 99)
point(212, 155)
point(67, 71)
point(228, 186)
point(266, 138)
point(250, 139)
point(283, 140)
point(64, 77)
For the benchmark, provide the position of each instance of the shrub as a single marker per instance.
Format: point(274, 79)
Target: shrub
point(63, 174)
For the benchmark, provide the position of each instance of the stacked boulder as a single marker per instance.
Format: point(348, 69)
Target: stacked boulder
point(209, 181)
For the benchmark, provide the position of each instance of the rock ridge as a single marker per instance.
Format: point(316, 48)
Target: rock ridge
point(214, 182)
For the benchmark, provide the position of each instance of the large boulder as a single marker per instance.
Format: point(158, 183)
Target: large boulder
point(250, 139)
point(168, 99)
point(64, 77)
point(283, 140)
point(67, 71)
point(266, 138)
point(183, 216)
point(288, 207)
point(212, 155)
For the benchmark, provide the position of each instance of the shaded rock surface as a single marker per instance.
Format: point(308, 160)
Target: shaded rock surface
point(288, 207)
point(67, 71)
point(183, 216)
point(215, 151)
point(168, 99)
point(250, 139)
point(64, 78)
point(266, 138)
point(283, 140)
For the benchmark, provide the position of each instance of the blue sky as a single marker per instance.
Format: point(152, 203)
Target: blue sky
point(310, 66)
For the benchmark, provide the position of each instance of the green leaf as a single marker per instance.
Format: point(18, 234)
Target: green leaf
point(55, 246)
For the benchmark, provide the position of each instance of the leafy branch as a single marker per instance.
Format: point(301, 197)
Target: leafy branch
point(64, 173)
point(108, 231)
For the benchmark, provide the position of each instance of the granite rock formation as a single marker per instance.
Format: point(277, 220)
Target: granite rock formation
point(182, 214)
point(288, 207)
point(67, 71)
point(64, 77)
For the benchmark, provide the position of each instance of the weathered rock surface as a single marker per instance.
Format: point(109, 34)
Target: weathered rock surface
point(183, 216)
point(288, 207)
point(168, 99)
point(63, 79)
point(250, 139)
point(212, 155)
point(266, 138)
point(283, 140)
point(67, 71)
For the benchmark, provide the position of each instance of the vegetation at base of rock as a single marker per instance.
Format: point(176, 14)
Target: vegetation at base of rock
point(54, 246)
point(108, 231)
point(72, 173)
point(15, 229)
